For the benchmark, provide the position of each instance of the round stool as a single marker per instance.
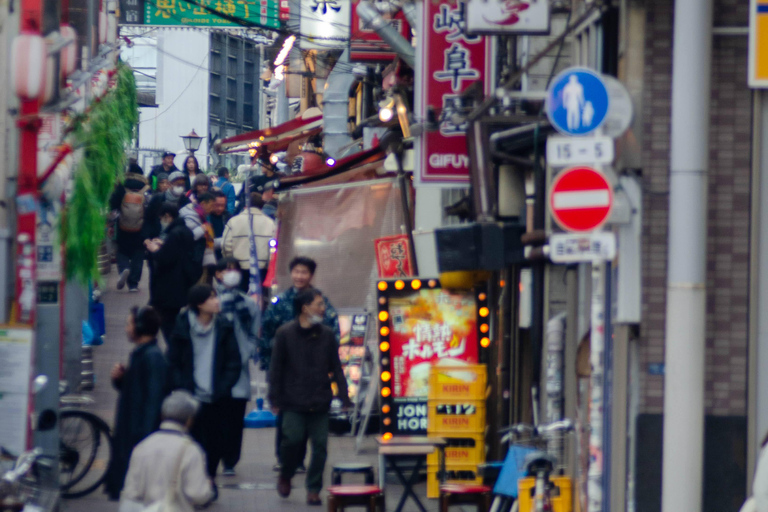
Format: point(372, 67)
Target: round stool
point(350, 468)
point(465, 494)
point(369, 496)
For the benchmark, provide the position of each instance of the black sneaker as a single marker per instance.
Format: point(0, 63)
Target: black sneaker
point(123, 279)
point(228, 472)
point(301, 469)
point(277, 467)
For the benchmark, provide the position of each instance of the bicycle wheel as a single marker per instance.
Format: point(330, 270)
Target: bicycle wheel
point(85, 452)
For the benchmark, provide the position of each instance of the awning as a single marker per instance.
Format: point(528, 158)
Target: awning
point(350, 163)
point(271, 140)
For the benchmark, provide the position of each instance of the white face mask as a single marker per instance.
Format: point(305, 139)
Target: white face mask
point(231, 279)
point(164, 224)
point(315, 320)
point(177, 191)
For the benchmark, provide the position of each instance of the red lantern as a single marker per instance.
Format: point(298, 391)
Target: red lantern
point(68, 58)
point(29, 57)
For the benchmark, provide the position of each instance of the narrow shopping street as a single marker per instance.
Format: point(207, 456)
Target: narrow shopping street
point(254, 486)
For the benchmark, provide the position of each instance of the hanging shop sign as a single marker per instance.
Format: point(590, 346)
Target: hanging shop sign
point(420, 326)
point(366, 45)
point(15, 379)
point(758, 44)
point(201, 13)
point(451, 61)
point(393, 256)
point(325, 24)
point(508, 16)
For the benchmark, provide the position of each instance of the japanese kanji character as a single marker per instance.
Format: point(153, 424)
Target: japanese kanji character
point(411, 349)
point(165, 8)
point(453, 21)
point(324, 5)
point(457, 67)
point(448, 126)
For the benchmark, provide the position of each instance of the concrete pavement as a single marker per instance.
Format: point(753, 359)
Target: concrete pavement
point(254, 487)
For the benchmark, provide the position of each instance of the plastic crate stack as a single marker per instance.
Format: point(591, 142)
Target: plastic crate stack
point(456, 413)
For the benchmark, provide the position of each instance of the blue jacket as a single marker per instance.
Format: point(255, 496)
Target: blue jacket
point(229, 191)
point(279, 313)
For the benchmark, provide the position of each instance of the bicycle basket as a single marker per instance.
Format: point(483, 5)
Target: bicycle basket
point(512, 470)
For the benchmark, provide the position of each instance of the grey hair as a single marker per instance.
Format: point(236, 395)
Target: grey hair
point(180, 406)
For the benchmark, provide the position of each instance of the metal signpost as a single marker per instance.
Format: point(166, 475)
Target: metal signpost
point(581, 200)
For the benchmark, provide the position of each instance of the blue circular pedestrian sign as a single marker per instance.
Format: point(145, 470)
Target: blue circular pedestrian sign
point(577, 101)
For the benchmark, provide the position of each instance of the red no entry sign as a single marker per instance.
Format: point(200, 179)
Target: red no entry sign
point(580, 199)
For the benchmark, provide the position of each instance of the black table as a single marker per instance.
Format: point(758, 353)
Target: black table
point(408, 449)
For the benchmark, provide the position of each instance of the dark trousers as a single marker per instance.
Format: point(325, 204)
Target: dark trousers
point(297, 426)
point(208, 430)
point(133, 261)
point(279, 440)
point(167, 321)
point(233, 431)
point(245, 280)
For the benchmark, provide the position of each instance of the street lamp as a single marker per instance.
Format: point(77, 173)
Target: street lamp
point(192, 142)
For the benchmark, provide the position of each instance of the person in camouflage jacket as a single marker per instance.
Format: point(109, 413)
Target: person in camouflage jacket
point(280, 311)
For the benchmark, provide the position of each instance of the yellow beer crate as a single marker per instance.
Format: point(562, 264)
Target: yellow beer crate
point(454, 416)
point(460, 449)
point(458, 382)
point(456, 474)
point(562, 498)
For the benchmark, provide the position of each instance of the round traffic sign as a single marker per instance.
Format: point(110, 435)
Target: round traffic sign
point(577, 101)
point(580, 199)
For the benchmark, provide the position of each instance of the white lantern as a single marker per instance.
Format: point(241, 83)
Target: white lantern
point(29, 58)
point(68, 56)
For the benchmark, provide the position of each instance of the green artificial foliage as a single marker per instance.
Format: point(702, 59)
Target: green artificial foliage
point(104, 133)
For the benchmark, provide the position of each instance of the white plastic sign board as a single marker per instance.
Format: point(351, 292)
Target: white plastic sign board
point(582, 248)
point(505, 17)
point(566, 151)
point(15, 378)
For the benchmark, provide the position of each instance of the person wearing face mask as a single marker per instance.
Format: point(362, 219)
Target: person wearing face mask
point(204, 359)
point(304, 358)
point(245, 314)
point(196, 218)
point(170, 194)
point(171, 268)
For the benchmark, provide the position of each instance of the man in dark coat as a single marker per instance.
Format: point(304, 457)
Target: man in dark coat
point(205, 360)
point(218, 219)
point(127, 203)
point(167, 166)
point(172, 268)
point(142, 387)
point(172, 195)
point(304, 358)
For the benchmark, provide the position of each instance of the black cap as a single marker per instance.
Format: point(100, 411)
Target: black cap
point(169, 153)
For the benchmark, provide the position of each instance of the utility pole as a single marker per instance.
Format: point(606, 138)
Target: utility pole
point(682, 471)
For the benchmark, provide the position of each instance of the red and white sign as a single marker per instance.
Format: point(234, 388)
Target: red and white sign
point(393, 256)
point(580, 199)
point(450, 61)
point(366, 45)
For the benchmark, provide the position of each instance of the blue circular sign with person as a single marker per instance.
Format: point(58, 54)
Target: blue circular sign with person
point(577, 101)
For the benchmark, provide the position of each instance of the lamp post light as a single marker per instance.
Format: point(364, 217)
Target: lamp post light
point(192, 142)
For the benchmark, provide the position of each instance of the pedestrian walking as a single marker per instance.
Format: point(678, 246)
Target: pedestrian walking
point(218, 219)
point(205, 360)
point(142, 386)
point(304, 358)
point(228, 188)
point(171, 195)
point(168, 466)
point(236, 241)
point(167, 166)
point(245, 314)
point(127, 205)
point(201, 184)
point(172, 268)
point(191, 170)
point(257, 183)
point(195, 216)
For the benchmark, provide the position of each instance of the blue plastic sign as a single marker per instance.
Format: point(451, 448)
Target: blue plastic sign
point(577, 101)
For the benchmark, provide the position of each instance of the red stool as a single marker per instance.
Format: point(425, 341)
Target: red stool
point(368, 496)
point(465, 494)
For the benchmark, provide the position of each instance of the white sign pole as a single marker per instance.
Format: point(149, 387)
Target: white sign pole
point(597, 347)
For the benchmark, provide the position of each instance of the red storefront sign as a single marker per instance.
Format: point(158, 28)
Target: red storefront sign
point(451, 61)
point(428, 326)
point(393, 256)
point(366, 45)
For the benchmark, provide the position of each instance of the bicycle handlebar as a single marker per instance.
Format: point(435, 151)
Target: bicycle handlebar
point(24, 463)
point(565, 425)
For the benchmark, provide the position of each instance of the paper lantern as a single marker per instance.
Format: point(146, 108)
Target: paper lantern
point(68, 57)
point(29, 58)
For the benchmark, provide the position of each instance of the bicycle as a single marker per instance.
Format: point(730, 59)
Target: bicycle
point(85, 448)
point(539, 464)
point(24, 488)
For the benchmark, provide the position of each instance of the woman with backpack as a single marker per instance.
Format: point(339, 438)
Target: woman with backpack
point(127, 204)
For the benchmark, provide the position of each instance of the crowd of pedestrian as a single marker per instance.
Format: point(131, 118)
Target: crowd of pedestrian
point(180, 414)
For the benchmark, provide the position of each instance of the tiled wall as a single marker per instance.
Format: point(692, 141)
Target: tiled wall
point(729, 207)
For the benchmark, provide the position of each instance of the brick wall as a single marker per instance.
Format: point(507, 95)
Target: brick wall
point(729, 207)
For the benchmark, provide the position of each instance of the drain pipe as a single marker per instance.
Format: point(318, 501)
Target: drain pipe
point(682, 470)
point(336, 134)
point(372, 19)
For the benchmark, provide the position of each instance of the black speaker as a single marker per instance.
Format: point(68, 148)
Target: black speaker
point(479, 246)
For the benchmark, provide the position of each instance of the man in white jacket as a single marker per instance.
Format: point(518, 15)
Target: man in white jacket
point(236, 241)
point(169, 461)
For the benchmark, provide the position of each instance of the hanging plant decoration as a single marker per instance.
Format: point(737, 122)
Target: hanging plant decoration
point(103, 132)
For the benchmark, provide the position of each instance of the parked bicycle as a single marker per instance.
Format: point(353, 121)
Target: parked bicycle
point(28, 485)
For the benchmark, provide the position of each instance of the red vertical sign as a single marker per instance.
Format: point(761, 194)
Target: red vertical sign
point(451, 61)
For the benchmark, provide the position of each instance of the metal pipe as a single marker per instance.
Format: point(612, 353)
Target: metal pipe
point(371, 18)
point(411, 13)
point(683, 444)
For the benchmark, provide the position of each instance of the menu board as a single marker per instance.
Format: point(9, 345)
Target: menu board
point(352, 350)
